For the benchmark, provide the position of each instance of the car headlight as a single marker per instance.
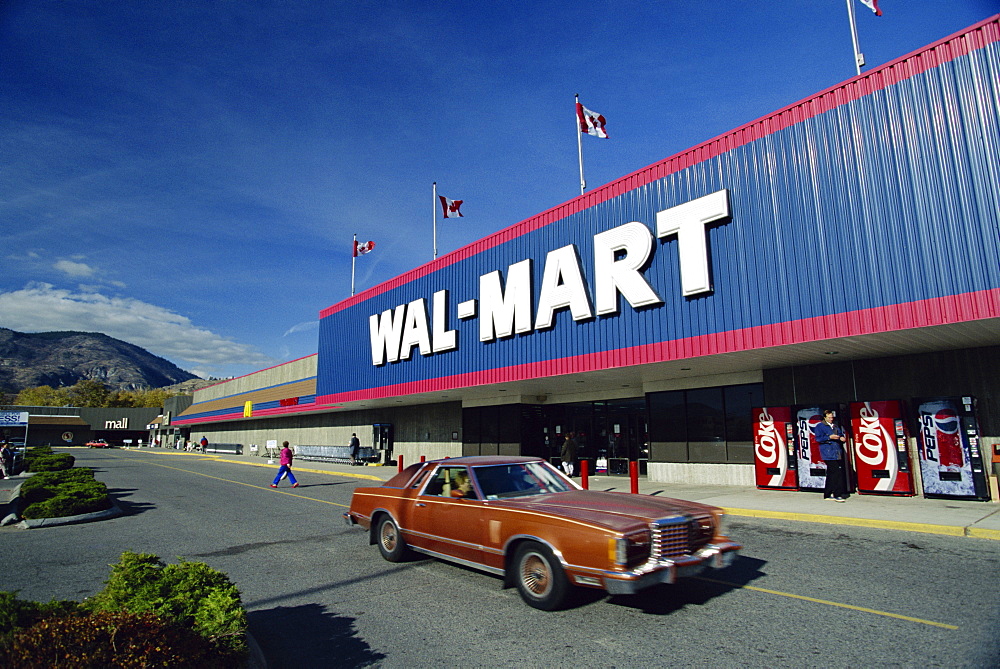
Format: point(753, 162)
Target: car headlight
point(630, 550)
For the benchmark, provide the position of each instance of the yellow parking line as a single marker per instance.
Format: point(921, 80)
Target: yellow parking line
point(829, 603)
point(250, 485)
point(216, 458)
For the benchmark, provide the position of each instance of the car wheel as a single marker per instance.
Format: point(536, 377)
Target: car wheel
point(539, 576)
point(390, 541)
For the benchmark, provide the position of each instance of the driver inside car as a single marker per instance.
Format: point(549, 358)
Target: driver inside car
point(462, 487)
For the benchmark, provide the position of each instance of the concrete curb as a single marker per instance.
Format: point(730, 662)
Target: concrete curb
point(10, 508)
point(113, 512)
point(926, 528)
point(255, 656)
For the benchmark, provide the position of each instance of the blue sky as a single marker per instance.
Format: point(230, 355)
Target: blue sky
point(187, 176)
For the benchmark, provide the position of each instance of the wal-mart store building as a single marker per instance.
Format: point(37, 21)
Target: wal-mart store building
point(845, 248)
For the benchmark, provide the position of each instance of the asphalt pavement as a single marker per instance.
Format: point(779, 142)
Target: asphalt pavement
point(909, 514)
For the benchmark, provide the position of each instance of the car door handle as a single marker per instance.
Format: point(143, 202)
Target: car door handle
point(420, 504)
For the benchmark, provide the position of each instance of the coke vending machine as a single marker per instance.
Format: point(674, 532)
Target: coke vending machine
point(880, 459)
point(951, 463)
point(774, 448)
point(810, 466)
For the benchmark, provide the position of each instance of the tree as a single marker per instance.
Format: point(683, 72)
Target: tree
point(89, 393)
point(44, 396)
point(121, 399)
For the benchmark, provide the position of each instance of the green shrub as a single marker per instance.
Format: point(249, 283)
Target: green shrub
point(43, 480)
point(51, 463)
point(113, 639)
point(190, 594)
point(57, 494)
point(37, 452)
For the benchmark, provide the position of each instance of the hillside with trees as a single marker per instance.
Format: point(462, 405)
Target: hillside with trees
point(60, 360)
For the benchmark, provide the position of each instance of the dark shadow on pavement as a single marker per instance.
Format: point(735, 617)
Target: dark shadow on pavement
point(697, 590)
point(128, 508)
point(308, 636)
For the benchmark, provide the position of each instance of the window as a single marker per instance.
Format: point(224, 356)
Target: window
point(710, 425)
point(451, 482)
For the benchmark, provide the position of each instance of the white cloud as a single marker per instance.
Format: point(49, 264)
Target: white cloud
point(41, 307)
point(302, 327)
point(76, 269)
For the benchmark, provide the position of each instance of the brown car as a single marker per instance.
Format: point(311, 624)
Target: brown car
point(522, 519)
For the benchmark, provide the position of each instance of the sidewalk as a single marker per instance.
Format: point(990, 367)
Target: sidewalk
point(910, 514)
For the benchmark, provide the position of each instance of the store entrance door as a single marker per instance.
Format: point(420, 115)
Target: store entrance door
point(608, 434)
point(622, 434)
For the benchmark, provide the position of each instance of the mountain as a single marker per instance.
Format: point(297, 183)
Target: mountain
point(63, 358)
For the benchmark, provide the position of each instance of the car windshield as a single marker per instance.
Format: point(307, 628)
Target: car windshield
point(515, 480)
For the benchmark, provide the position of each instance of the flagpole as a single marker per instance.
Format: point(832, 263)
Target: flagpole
point(354, 258)
point(579, 145)
point(859, 58)
point(435, 215)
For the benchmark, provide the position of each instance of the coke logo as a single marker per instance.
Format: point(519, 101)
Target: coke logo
point(768, 442)
point(874, 443)
point(946, 421)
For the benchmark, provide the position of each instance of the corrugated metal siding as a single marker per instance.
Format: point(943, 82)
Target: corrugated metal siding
point(873, 206)
point(287, 372)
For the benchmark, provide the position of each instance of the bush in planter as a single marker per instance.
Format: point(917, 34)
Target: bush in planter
point(148, 615)
point(56, 494)
point(191, 594)
point(37, 452)
point(18, 613)
point(51, 463)
point(112, 639)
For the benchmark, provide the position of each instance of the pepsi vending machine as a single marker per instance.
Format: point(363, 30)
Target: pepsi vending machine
point(951, 463)
point(775, 464)
point(880, 459)
point(811, 468)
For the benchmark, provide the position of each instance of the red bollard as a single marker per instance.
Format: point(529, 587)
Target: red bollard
point(585, 474)
point(399, 462)
point(423, 458)
point(633, 474)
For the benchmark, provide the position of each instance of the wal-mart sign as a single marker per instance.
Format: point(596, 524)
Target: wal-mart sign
point(13, 418)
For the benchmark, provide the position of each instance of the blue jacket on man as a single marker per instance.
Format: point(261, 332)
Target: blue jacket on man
point(829, 449)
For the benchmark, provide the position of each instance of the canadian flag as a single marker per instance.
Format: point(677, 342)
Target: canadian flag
point(591, 123)
point(451, 208)
point(872, 5)
point(361, 248)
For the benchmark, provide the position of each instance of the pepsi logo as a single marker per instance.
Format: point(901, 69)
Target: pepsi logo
point(946, 421)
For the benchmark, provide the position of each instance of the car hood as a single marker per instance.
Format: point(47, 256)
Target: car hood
point(617, 511)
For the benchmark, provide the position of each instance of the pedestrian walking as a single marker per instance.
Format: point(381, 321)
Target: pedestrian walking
point(832, 443)
point(568, 454)
point(355, 446)
point(286, 466)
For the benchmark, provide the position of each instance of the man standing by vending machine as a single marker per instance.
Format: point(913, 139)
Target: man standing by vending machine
point(832, 447)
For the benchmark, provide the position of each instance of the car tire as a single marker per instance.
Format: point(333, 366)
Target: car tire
point(540, 578)
point(390, 540)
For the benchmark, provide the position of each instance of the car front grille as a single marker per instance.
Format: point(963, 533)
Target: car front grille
point(670, 538)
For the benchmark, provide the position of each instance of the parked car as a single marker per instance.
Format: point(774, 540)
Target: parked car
point(99, 443)
point(522, 519)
